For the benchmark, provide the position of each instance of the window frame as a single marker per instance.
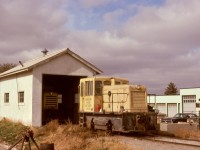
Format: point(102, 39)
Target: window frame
point(6, 98)
point(98, 88)
point(21, 97)
point(82, 89)
point(189, 98)
point(88, 88)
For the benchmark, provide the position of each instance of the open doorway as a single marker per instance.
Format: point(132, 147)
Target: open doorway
point(60, 98)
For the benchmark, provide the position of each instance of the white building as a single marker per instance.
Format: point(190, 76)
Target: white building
point(187, 101)
point(44, 88)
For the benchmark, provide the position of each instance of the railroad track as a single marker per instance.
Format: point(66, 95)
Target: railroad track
point(172, 140)
point(161, 139)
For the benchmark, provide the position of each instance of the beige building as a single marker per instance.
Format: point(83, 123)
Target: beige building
point(188, 101)
point(44, 88)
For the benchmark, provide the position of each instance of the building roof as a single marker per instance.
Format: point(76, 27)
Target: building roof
point(29, 65)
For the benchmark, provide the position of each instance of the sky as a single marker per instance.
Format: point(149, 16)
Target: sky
point(149, 42)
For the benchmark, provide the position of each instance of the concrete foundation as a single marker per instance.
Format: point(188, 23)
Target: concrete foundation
point(173, 127)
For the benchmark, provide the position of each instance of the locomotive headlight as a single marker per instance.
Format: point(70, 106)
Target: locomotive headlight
point(109, 93)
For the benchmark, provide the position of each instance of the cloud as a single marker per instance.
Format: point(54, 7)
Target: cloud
point(27, 25)
point(153, 24)
point(95, 3)
point(159, 44)
point(148, 44)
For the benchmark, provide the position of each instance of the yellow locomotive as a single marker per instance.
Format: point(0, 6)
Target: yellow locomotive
point(112, 104)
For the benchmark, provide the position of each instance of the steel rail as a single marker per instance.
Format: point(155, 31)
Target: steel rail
point(181, 141)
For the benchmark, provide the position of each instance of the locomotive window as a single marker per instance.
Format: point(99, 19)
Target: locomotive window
point(88, 88)
point(117, 83)
point(98, 88)
point(107, 83)
point(124, 82)
point(82, 88)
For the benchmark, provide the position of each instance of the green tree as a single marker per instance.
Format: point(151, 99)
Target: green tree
point(171, 89)
point(6, 66)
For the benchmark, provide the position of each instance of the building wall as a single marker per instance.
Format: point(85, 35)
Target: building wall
point(176, 99)
point(166, 100)
point(63, 65)
point(192, 91)
point(13, 109)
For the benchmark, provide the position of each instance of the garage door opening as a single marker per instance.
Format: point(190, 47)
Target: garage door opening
point(60, 98)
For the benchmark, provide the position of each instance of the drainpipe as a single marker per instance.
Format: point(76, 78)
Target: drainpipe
point(182, 103)
point(199, 119)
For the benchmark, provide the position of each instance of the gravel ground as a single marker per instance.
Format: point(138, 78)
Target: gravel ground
point(2, 147)
point(142, 144)
point(5, 147)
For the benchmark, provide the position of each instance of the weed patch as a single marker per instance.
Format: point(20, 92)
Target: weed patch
point(64, 136)
point(10, 131)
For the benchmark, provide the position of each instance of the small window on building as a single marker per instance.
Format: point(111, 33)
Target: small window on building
point(21, 97)
point(6, 98)
point(189, 98)
point(198, 105)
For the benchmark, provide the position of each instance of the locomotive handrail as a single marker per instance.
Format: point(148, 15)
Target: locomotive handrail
point(110, 94)
point(115, 101)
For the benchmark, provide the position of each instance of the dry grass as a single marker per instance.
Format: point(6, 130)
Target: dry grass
point(188, 134)
point(106, 143)
point(73, 137)
point(64, 137)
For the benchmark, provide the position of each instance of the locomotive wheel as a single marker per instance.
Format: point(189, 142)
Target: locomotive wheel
point(92, 124)
point(109, 127)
